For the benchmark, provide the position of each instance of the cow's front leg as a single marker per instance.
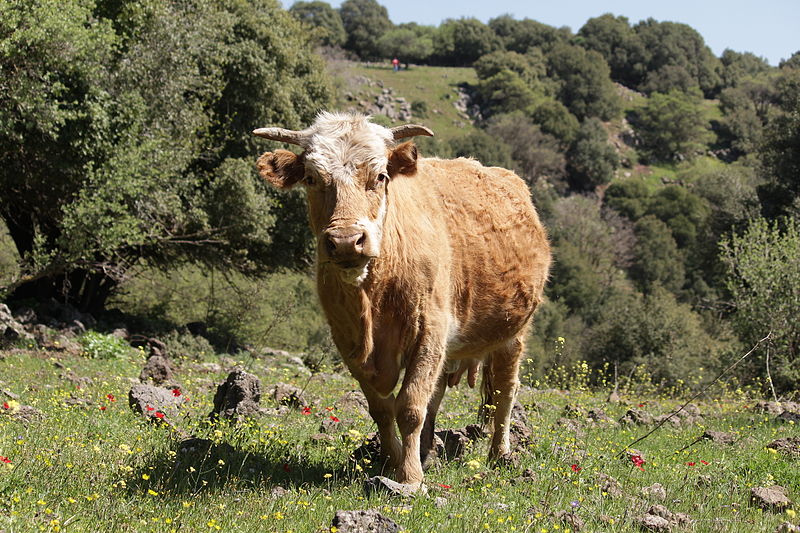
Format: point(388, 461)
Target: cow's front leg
point(419, 384)
point(382, 412)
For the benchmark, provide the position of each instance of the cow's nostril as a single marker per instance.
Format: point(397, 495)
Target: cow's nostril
point(330, 245)
point(360, 241)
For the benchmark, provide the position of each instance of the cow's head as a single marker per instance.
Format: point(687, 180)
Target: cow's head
point(346, 166)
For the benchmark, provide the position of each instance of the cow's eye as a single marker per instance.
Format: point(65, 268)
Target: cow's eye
point(382, 178)
point(309, 179)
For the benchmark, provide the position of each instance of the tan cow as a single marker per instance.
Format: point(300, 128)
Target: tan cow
point(423, 265)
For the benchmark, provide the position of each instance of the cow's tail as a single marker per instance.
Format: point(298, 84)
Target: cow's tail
point(486, 411)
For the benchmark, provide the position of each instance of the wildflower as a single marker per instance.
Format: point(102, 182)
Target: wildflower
point(638, 461)
point(6, 406)
point(151, 492)
point(575, 504)
point(791, 513)
point(102, 407)
point(111, 398)
point(145, 476)
point(704, 462)
point(306, 410)
point(176, 392)
point(5, 460)
point(576, 468)
point(159, 414)
point(334, 418)
point(444, 486)
point(473, 464)
point(149, 408)
point(329, 408)
point(691, 463)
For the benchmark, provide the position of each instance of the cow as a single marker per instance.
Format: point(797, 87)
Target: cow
point(425, 268)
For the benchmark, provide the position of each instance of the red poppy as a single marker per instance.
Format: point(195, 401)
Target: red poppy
point(5, 460)
point(306, 410)
point(6, 406)
point(102, 407)
point(111, 397)
point(641, 405)
point(444, 486)
point(329, 408)
point(149, 408)
point(576, 468)
point(691, 463)
point(334, 418)
point(176, 392)
point(704, 462)
point(638, 461)
point(159, 414)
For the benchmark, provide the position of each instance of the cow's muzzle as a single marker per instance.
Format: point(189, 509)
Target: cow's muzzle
point(346, 247)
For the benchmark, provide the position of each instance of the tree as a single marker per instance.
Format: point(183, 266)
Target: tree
point(673, 125)
point(524, 35)
point(535, 154)
point(461, 42)
point(657, 261)
point(737, 67)
point(585, 85)
point(504, 92)
point(555, 119)
point(763, 266)
point(411, 43)
point(324, 18)
point(364, 21)
point(116, 154)
point(671, 43)
point(592, 160)
point(487, 149)
point(619, 44)
point(528, 67)
point(780, 151)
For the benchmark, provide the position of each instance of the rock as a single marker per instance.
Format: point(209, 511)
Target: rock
point(787, 446)
point(571, 424)
point(353, 402)
point(120, 333)
point(674, 519)
point(284, 394)
point(600, 417)
point(157, 370)
point(10, 329)
point(772, 498)
point(573, 521)
point(776, 408)
point(382, 485)
point(322, 437)
point(370, 449)
point(329, 425)
point(609, 485)
point(651, 522)
point(454, 443)
point(149, 401)
point(789, 416)
point(574, 411)
point(8, 394)
point(238, 396)
point(278, 492)
point(719, 437)
point(367, 521)
point(636, 417)
point(440, 502)
point(787, 527)
point(614, 397)
point(655, 491)
point(150, 345)
point(474, 432)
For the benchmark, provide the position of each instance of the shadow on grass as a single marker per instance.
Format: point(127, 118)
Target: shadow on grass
point(196, 465)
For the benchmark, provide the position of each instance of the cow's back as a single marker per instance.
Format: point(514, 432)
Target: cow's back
point(499, 254)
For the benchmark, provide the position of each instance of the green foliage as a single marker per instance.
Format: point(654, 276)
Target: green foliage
point(673, 125)
point(530, 68)
point(459, 42)
point(524, 35)
point(411, 43)
point(322, 17)
point(592, 160)
point(619, 44)
point(629, 198)
point(365, 21)
point(535, 154)
point(487, 149)
point(504, 92)
point(656, 331)
point(554, 118)
point(738, 67)
point(115, 152)
point(585, 85)
point(763, 267)
point(100, 346)
point(656, 259)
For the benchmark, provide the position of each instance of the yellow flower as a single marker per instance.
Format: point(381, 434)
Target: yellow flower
point(151, 492)
point(145, 476)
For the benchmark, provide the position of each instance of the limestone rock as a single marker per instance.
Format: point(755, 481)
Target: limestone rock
point(772, 498)
point(154, 403)
point(238, 396)
point(367, 521)
point(157, 370)
point(787, 446)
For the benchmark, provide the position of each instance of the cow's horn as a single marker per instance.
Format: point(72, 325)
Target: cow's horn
point(410, 130)
point(300, 138)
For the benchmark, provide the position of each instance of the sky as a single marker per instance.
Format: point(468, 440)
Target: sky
point(767, 28)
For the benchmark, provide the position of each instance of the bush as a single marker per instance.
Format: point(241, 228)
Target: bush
point(100, 346)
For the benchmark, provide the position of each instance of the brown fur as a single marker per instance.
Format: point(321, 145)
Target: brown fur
point(461, 267)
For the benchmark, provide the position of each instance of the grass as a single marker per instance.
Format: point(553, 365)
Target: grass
point(84, 468)
point(436, 86)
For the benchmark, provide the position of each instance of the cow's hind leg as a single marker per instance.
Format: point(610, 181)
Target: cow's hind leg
point(503, 369)
point(382, 412)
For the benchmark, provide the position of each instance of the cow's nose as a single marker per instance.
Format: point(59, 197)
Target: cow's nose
point(345, 243)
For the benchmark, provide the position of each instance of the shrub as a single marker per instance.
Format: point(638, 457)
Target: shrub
point(101, 346)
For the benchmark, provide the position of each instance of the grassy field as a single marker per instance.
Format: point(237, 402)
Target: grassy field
point(91, 464)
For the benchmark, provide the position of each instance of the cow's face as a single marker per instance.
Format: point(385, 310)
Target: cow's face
point(347, 179)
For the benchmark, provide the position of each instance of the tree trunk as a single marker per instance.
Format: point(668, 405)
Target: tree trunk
point(85, 290)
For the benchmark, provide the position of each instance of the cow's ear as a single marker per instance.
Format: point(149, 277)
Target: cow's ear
point(281, 168)
point(403, 160)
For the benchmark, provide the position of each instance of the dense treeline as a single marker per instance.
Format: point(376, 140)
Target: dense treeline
point(136, 138)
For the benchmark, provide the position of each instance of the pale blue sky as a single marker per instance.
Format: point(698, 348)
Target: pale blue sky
point(768, 28)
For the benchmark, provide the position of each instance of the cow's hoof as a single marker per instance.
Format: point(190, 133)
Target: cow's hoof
point(382, 485)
